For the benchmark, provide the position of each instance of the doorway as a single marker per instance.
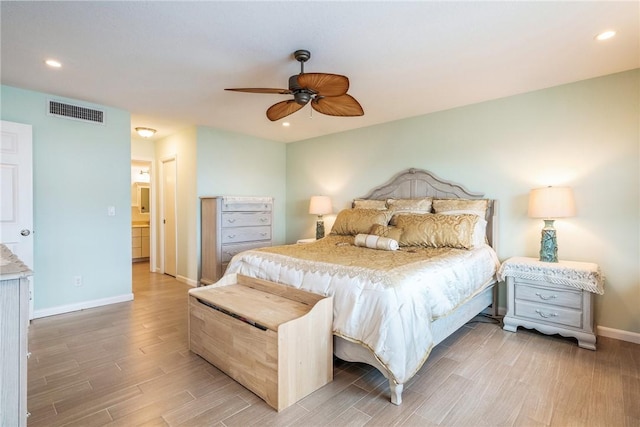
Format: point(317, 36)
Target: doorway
point(142, 212)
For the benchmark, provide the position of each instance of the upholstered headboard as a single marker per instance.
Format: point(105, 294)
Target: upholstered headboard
point(415, 183)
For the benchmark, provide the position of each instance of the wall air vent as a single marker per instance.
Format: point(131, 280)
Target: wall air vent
point(76, 112)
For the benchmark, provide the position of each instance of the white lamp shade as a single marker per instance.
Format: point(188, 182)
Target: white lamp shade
point(551, 202)
point(320, 205)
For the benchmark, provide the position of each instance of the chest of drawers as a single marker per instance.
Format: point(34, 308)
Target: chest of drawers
point(230, 225)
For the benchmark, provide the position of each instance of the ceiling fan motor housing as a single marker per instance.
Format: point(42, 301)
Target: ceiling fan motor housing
point(300, 95)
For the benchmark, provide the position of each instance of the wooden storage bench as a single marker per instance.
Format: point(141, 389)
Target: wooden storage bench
point(273, 339)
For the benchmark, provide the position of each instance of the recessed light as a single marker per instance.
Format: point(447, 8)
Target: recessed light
point(286, 124)
point(605, 35)
point(53, 63)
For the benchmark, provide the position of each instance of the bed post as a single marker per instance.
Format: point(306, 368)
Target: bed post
point(396, 392)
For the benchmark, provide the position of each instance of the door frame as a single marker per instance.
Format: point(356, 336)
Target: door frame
point(163, 160)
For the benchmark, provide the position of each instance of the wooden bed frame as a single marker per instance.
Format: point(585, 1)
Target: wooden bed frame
point(411, 184)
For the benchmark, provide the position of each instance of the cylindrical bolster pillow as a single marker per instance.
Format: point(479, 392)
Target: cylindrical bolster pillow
point(376, 242)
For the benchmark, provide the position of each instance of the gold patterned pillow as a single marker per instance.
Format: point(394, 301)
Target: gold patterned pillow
point(358, 221)
point(369, 204)
point(399, 206)
point(437, 231)
point(386, 231)
point(461, 206)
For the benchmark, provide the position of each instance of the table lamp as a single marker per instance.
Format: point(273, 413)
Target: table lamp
point(320, 205)
point(550, 203)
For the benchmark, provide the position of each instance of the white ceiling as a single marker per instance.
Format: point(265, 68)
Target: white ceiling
point(168, 62)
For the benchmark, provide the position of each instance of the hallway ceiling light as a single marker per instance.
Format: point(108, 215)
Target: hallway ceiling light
point(145, 132)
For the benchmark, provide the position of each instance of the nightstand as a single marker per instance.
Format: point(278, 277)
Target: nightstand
point(553, 298)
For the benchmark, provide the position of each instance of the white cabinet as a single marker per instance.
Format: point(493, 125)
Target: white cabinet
point(14, 324)
point(230, 225)
point(140, 243)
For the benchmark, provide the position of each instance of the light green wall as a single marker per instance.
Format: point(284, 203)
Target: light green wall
point(79, 169)
point(231, 164)
point(585, 135)
point(216, 162)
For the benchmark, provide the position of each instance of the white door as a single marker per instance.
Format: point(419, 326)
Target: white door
point(169, 215)
point(16, 180)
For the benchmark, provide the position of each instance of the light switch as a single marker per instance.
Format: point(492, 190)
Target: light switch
point(111, 210)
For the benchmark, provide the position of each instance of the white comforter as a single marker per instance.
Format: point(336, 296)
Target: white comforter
point(389, 311)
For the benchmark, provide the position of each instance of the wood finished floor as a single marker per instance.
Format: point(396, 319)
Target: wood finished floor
point(128, 364)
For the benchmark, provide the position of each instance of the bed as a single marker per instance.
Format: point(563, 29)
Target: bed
point(391, 307)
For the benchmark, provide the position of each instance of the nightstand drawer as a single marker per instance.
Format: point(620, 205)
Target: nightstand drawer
point(548, 295)
point(547, 313)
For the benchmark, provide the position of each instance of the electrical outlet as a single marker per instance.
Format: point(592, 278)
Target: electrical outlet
point(77, 281)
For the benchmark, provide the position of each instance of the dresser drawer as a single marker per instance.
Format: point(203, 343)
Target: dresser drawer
point(244, 219)
point(246, 207)
point(245, 234)
point(228, 251)
point(564, 298)
point(548, 313)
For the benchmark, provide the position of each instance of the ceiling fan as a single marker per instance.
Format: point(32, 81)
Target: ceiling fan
point(326, 92)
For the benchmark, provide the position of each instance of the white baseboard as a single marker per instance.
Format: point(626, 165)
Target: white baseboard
point(81, 306)
point(187, 281)
point(618, 334)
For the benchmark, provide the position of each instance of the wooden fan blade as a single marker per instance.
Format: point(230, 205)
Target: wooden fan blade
point(324, 84)
point(261, 90)
point(282, 109)
point(343, 105)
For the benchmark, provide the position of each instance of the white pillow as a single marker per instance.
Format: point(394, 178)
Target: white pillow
point(373, 241)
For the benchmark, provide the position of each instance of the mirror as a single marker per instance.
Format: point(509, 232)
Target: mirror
point(143, 198)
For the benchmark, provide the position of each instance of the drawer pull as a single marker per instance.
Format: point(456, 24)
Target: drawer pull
point(546, 316)
point(231, 220)
point(231, 236)
point(542, 297)
point(264, 234)
point(263, 219)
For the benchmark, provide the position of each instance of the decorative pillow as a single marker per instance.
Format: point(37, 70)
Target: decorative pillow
point(358, 221)
point(376, 242)
point(386, 231)
point(399, 206)
point(370, 204)
point(461, 206)
point(438, 231)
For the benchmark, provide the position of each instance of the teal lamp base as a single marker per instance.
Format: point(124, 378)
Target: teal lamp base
point(548, 243)
point(319, 229)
